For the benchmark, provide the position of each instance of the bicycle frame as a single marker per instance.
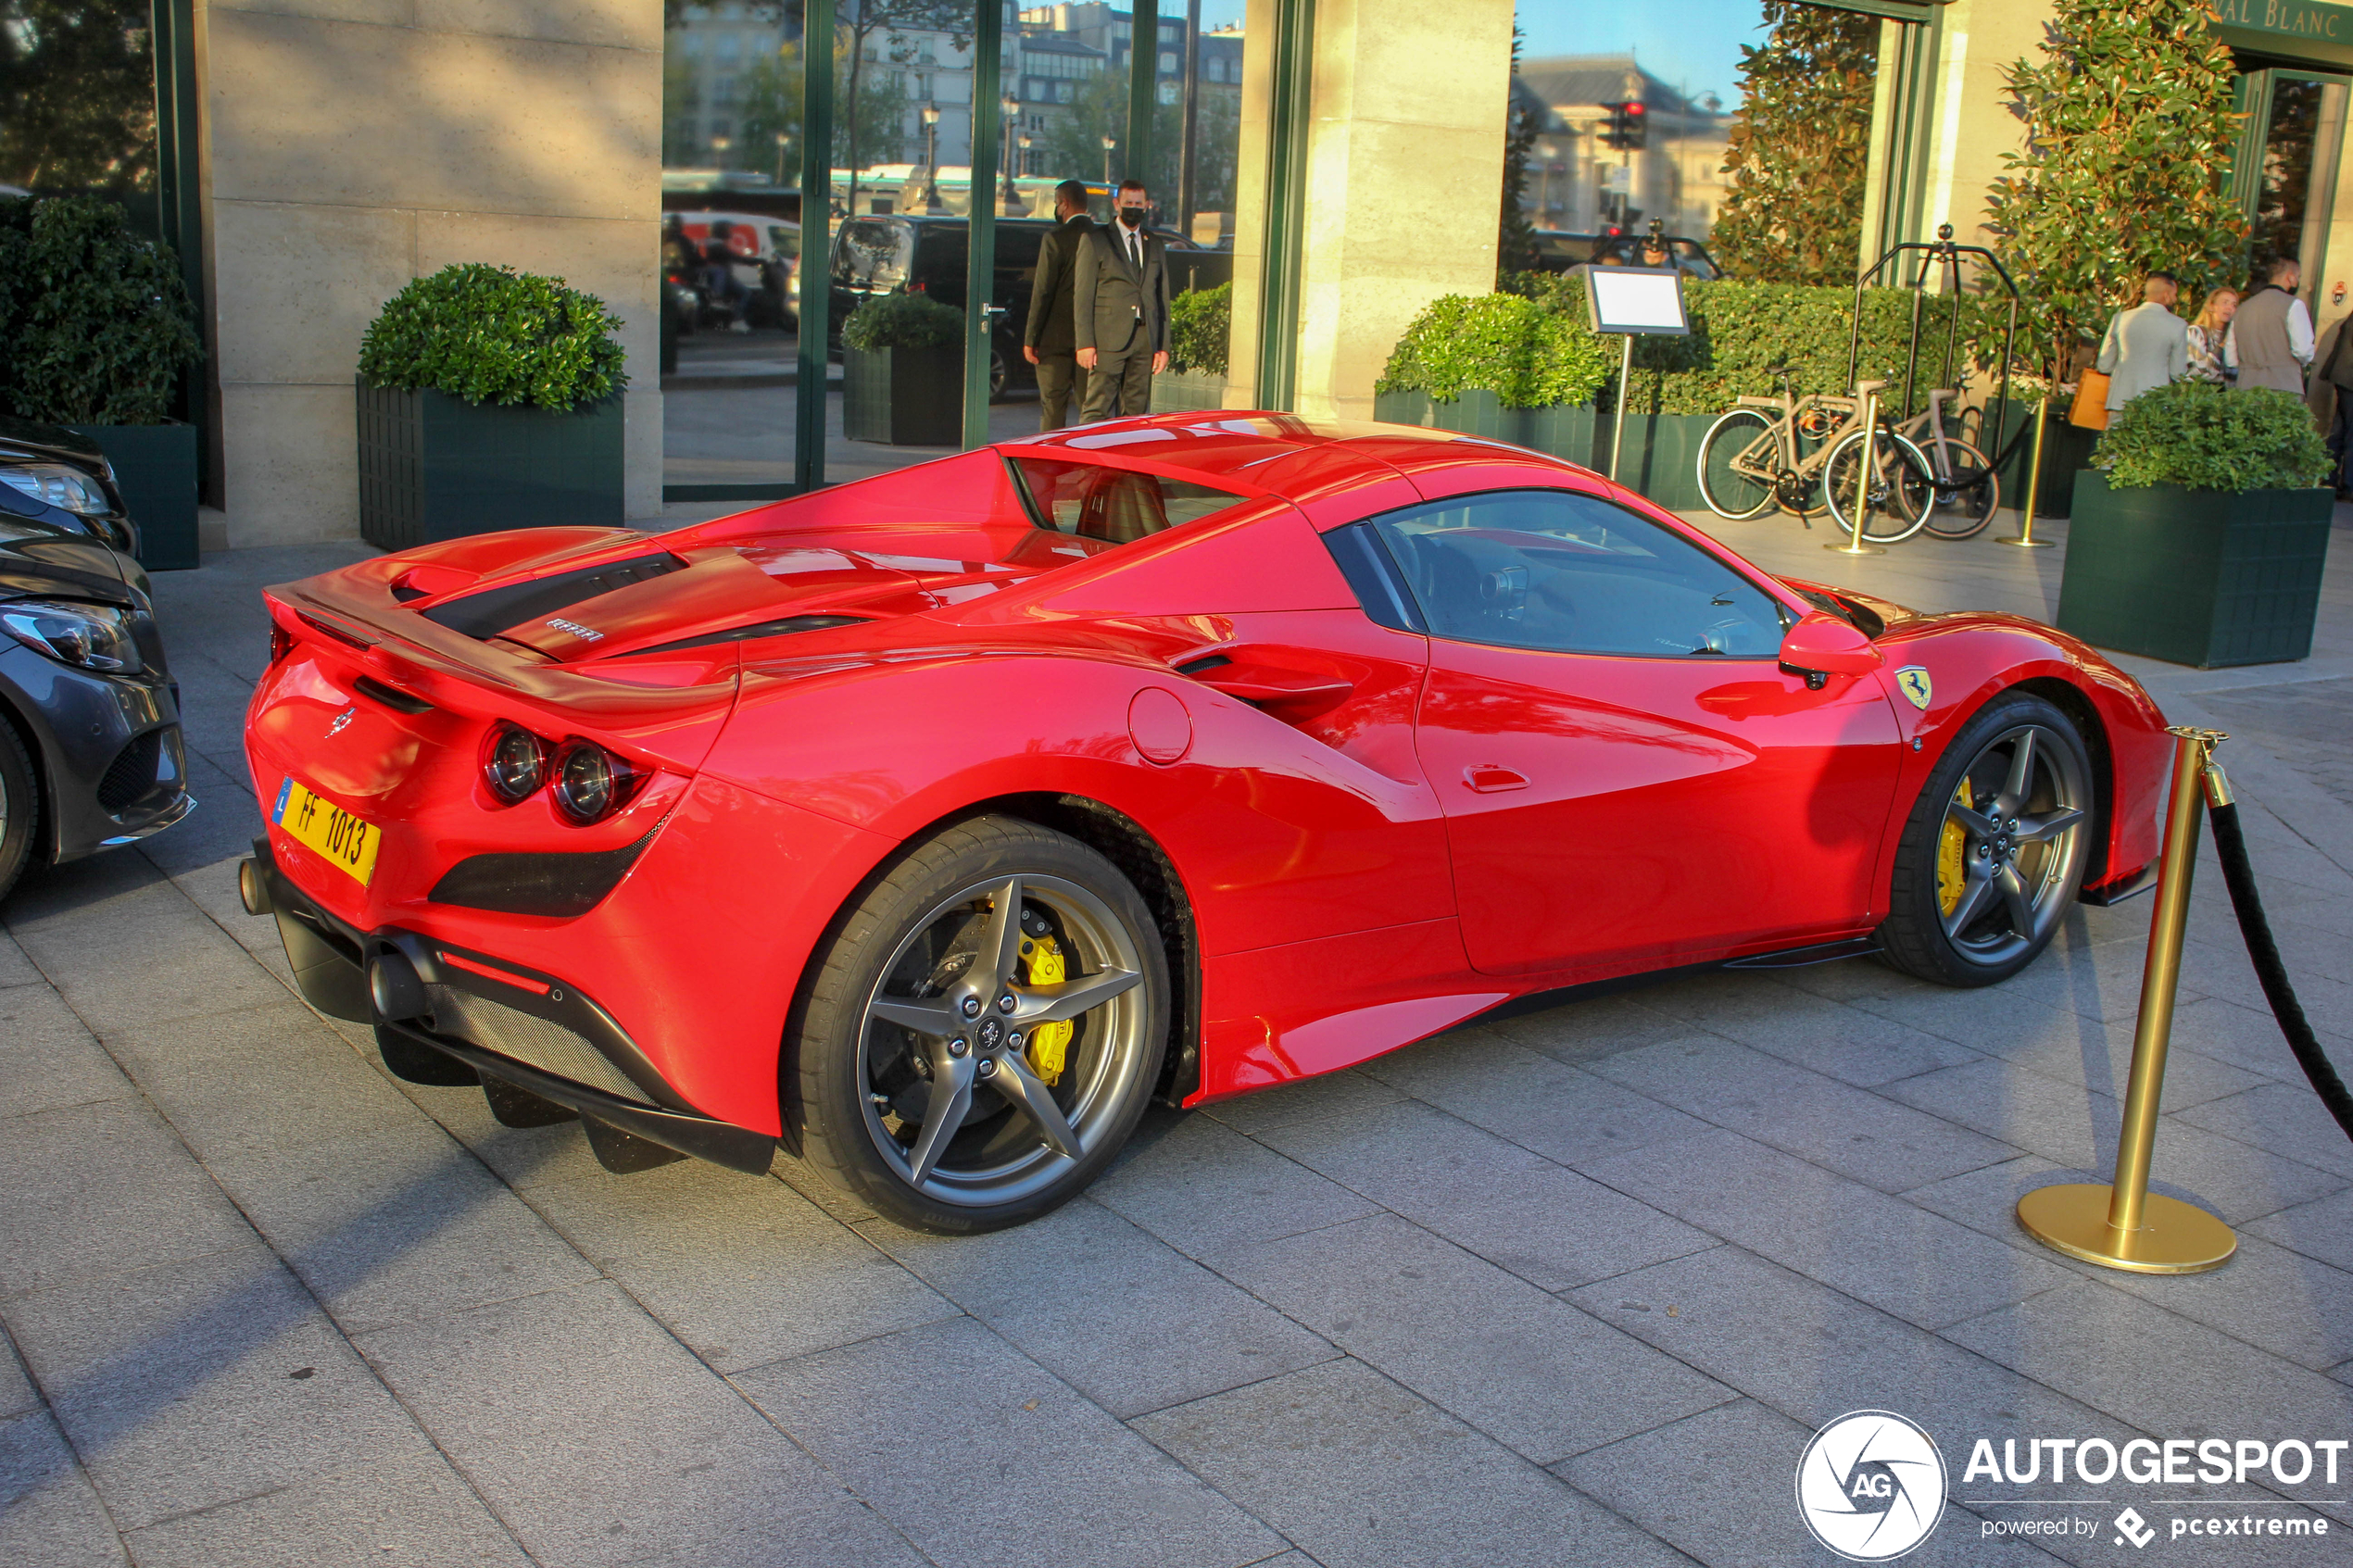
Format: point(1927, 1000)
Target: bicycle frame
point(1944, 255)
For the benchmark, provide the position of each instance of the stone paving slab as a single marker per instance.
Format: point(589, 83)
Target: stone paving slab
point(48, 1514)
point(414, 1513)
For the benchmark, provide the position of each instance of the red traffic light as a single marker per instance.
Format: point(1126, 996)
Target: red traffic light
point(1633, 108)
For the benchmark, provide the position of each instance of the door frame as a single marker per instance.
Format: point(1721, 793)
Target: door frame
point(2255, 94)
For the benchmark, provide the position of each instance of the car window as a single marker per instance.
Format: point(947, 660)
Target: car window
point(1573, 573)
point(874, 253)
point(1117, 506)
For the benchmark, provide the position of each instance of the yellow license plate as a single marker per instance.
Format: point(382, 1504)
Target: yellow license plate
point(347, 841)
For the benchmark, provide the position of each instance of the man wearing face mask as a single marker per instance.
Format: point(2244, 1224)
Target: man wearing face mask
point(1121, 285)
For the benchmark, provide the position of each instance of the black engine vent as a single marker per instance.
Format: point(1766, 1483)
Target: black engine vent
point(131, 774)
point(486, 614)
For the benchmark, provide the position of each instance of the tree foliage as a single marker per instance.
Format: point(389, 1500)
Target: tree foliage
point(1799, 148)
point(77, 95)
point(492, 334)
point(1200, 329)
point(2128, 138)
point(902, 320)
point(1524, 115)
point(95, 322)
point(1529, 356)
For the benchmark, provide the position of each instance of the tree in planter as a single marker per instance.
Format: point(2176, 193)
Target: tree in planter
point(492, 334)
point(1199, 329)
point(97, 321)
point(902, 320)
point(2198, 436)
point(1799, 147)
point(2130, 133)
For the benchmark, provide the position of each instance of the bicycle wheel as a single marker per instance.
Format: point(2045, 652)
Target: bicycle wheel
point(1899, 485)
point(1727, 491)
point(1962, 502)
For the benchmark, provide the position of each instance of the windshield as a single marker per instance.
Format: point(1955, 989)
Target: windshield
point(1115, 506)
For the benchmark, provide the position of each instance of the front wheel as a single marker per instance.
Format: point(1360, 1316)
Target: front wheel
point(1995, 849)
point(1898, 487)
point(983, 1030)
point(1728, 491)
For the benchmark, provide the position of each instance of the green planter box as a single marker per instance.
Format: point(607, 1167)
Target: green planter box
point(1662, 456)
point(903, 396)
point(1188, 392)
point(2066, 451)
point(2198, 577)
point(433, 467)
point(155, 467)
point(1562, 431)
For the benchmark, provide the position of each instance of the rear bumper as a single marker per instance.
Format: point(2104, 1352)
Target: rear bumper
point(536, 1031)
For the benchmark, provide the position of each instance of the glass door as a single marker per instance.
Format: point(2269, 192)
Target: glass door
point(2286, 176)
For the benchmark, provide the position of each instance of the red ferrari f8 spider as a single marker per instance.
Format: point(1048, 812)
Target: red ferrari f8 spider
point(933, 824)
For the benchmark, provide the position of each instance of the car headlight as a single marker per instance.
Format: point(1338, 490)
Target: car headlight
point(60, 486)
point(87, 636)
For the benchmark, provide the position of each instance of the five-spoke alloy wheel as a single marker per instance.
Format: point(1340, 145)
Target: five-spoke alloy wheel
point(1994, 852)
point(983, 1030)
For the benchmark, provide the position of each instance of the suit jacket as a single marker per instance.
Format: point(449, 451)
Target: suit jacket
point(2146, 347)
point(1052, 328)
point(1120, 311)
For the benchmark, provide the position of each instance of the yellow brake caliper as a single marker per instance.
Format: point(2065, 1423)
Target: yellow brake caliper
point(1952, 849)
point(1048, 1042)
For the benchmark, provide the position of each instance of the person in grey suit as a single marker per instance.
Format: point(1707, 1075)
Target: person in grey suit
point(1049, 341)
point(1121, 289)
point(2148, 346)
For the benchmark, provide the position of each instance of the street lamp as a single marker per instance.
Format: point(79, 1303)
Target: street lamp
point(931, 158)
point(1108, 142)
point(719, 145)
point(784, 139)
point(1024, 169)
point(1012, 106)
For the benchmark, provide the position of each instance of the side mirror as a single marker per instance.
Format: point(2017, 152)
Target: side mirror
point(1821, 645)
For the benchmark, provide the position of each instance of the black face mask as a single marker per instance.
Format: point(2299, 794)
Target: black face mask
point(1132, 215)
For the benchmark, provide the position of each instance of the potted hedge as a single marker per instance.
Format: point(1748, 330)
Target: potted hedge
point(1504, 367)
point(1200, 327)
point(902, 371)
point(488, 399)
point(95, 330)
point(2201, 531)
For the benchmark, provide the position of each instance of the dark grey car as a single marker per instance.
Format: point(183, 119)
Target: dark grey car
point(90, 748)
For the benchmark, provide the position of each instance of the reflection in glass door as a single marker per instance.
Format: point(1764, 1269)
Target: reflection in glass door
point(2286, 172)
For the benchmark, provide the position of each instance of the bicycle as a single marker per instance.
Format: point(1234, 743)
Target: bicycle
point(1748, 462)
point(1964, 491)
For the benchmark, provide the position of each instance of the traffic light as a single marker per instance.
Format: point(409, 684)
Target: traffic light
point(1628, 125)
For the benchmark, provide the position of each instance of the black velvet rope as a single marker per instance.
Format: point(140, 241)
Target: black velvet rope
point(2230, 843)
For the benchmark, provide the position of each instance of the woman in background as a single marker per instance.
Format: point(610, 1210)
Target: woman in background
point(2206, 332)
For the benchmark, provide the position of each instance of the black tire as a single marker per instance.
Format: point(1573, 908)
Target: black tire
point(1728, 492)
point(1000, 376)
point(20, 808)
point(861, 1086)
point(1941, 925)
point(1961, 510)
point(1900, 498)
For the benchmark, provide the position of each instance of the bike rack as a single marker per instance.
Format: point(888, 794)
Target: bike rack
point(1944, 255)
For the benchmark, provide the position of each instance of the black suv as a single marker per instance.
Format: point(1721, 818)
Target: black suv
point(90, 748)
point(925, 255)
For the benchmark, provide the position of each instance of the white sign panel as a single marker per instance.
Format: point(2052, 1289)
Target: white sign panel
point(1636, 300)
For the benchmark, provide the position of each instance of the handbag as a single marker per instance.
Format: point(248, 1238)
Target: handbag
point(2090, 401)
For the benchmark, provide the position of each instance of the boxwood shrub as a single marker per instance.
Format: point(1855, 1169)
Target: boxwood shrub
point(1528, 355)
point(95, 322)
point(2198, 435)
point(492, 334)
point(1200, 328)
point(902, 320)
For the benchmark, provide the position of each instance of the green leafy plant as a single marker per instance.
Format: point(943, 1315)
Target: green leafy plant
point(2195, 435)
point(492, 334)
point(1200, 327)
point(2130, 134)
point(902, 320)
point(95, 322)
point(1529, 356)
point(1524, 116)
point(1799, 147)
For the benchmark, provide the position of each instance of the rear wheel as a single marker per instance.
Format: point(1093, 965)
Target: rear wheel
point(20, 808)
point(1727, 491)
point(1898, 487)
point(1964, 501)
point(1993, 851)
point(984, 1029)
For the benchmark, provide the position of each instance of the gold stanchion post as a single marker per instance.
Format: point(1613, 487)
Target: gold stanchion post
point(2024, 538)
point(1864, 475)
point(2124, 1226)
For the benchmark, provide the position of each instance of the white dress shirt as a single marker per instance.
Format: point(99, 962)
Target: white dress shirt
point(2299, 336)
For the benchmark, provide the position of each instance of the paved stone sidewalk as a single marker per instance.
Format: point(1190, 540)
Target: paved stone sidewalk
point(1572, 1287)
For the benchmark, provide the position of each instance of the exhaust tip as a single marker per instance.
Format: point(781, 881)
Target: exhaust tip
point(396, 987)
point(252, 892)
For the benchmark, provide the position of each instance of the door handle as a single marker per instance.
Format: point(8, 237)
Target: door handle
point(1488, 778)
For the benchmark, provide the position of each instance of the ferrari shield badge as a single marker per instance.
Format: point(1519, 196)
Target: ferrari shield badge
point(1915, 684)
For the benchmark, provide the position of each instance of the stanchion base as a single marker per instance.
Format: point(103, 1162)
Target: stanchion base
point(2024, 543)
point(2175, 1237)
point(1856, 549)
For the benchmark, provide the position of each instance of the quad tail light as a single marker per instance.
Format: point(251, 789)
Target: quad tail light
point(588, 783)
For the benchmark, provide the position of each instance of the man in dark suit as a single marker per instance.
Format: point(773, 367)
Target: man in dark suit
point(1123, 311)
point(1049, 341)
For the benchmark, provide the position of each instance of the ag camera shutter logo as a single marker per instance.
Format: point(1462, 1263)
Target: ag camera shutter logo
point(1870, 1485)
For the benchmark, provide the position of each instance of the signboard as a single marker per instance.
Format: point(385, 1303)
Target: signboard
point(1641, 301)
point(2304, 29)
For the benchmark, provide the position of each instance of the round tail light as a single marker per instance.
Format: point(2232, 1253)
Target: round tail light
point(516, 764)
point(591, 784)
